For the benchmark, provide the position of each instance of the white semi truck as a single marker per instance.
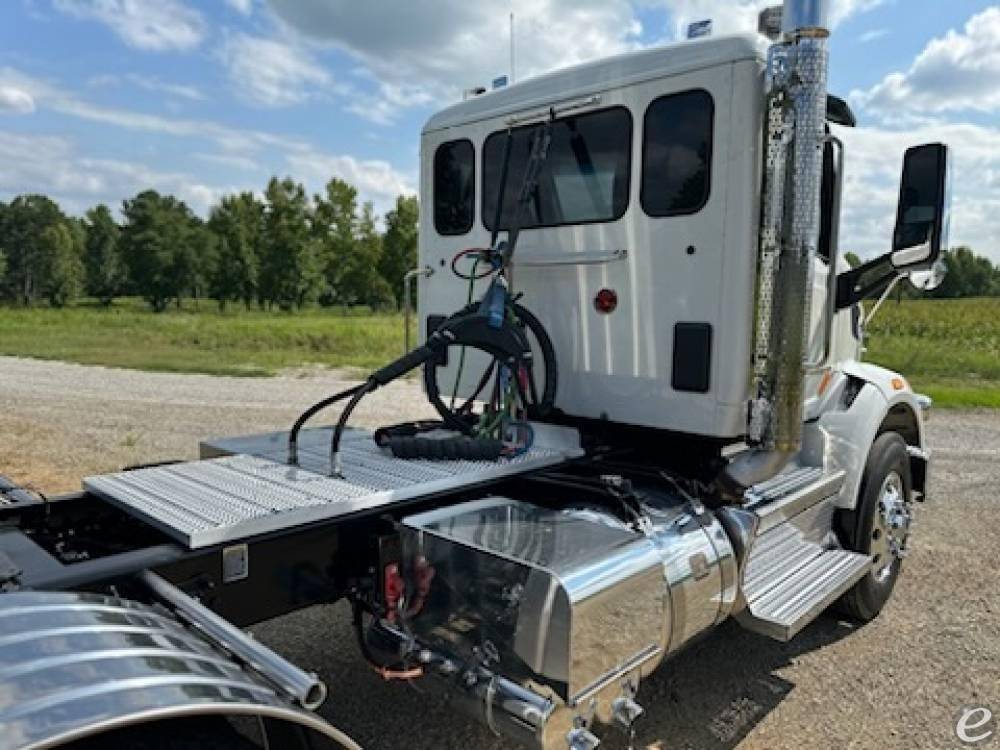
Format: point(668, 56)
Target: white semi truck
point(645, 352)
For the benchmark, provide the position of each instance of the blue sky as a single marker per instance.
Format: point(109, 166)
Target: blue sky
point(102, 98)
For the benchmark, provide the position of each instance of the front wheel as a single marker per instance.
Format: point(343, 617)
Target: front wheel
point(879, 526)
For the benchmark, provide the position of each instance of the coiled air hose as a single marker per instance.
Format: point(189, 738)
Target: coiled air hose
point(507, 344)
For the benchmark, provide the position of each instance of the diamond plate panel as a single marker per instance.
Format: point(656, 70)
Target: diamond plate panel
point(253, 491)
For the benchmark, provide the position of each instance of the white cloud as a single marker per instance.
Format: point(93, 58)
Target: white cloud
point(873, 35)
point(874, 164)
point(50, 165)
point(16, 101)
point(443, 46)
point(272, 73)
point(232, 161)
point(158, 25)
point(430, 51)
point(244, 7)
point(376, 180)
point(150, 83)
point(67, 103)
point(959, 71)
point(390, 99)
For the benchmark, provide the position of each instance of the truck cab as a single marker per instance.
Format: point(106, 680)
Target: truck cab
point(645, 352)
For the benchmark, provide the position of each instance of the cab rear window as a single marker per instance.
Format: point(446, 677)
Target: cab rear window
point(584, 179)
point(677, 154)
point(454, 187)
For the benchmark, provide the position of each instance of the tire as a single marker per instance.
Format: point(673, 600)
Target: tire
point(867, 529)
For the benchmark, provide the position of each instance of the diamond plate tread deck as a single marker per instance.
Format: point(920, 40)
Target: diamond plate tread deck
point(253, 491)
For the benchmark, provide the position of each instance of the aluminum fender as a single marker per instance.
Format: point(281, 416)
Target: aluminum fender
point(74, 665)
point(848, 435)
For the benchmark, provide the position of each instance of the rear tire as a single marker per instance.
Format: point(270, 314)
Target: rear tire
point(878, 526)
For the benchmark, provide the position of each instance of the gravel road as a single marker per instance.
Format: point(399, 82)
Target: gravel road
point(899, 682)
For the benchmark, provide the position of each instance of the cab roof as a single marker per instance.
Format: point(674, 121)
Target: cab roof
point(592, 77)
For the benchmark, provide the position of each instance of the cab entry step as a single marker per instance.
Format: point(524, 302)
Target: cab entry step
point(247, 488)
point(796, 569)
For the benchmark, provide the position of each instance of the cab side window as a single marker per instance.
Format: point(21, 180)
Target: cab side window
point(677, 154)
point(454, 187)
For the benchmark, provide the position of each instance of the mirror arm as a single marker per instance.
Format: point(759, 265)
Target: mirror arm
point(849, 292)
point(882, 299)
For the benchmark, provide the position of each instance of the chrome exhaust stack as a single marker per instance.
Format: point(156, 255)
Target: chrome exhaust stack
point(789, 235)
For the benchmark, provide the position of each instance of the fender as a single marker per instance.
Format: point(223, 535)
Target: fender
point(847, 432)
point(75, 665)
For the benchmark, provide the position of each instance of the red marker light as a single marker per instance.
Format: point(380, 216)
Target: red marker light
point(606, 301)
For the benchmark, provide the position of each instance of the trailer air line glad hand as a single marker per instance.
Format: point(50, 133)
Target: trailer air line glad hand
point(495, 325)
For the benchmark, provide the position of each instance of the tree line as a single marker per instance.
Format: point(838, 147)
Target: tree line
point(285, 250)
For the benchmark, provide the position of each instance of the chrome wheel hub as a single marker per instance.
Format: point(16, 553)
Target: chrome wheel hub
point(891, 529)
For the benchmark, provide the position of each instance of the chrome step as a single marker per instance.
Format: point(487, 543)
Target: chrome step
point(795, 570)
point(791, 493)
point(785, 602)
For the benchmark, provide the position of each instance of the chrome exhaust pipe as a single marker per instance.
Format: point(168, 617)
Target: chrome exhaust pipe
point(789, 235)
point(304, 688)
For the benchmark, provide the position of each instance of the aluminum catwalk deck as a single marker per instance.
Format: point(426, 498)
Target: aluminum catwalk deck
point(245, 488)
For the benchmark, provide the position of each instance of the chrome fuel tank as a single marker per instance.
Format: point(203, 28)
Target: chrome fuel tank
point(572, 600)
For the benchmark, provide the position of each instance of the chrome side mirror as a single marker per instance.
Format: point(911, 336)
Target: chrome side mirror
point(929, 279)
point(923, 213)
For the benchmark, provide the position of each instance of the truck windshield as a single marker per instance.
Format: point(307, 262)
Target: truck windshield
point(584, 179)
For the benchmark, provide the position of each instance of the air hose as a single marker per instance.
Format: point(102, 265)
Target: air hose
point(507, 344)
point(539, 406)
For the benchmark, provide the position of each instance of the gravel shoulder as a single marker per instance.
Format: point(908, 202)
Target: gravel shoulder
point(899, 682)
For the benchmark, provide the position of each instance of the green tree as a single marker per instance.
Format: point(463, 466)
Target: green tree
point(158, 247)
point(361, 281)
point(852, 259)
point(335, 226)
point(25, 219)
point(237, 222)
point(102, 258)
point(399, 246)
point(3, 243)
point(196, 267)
point(289, 265)
point(62, 266)
point(969, 275)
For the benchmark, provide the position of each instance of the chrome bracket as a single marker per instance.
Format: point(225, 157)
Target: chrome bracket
point(626, 711)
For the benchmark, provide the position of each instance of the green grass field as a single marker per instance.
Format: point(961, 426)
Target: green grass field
point(201, 340)
point(948, 349)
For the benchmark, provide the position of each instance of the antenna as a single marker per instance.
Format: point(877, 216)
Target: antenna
point(513, 57)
